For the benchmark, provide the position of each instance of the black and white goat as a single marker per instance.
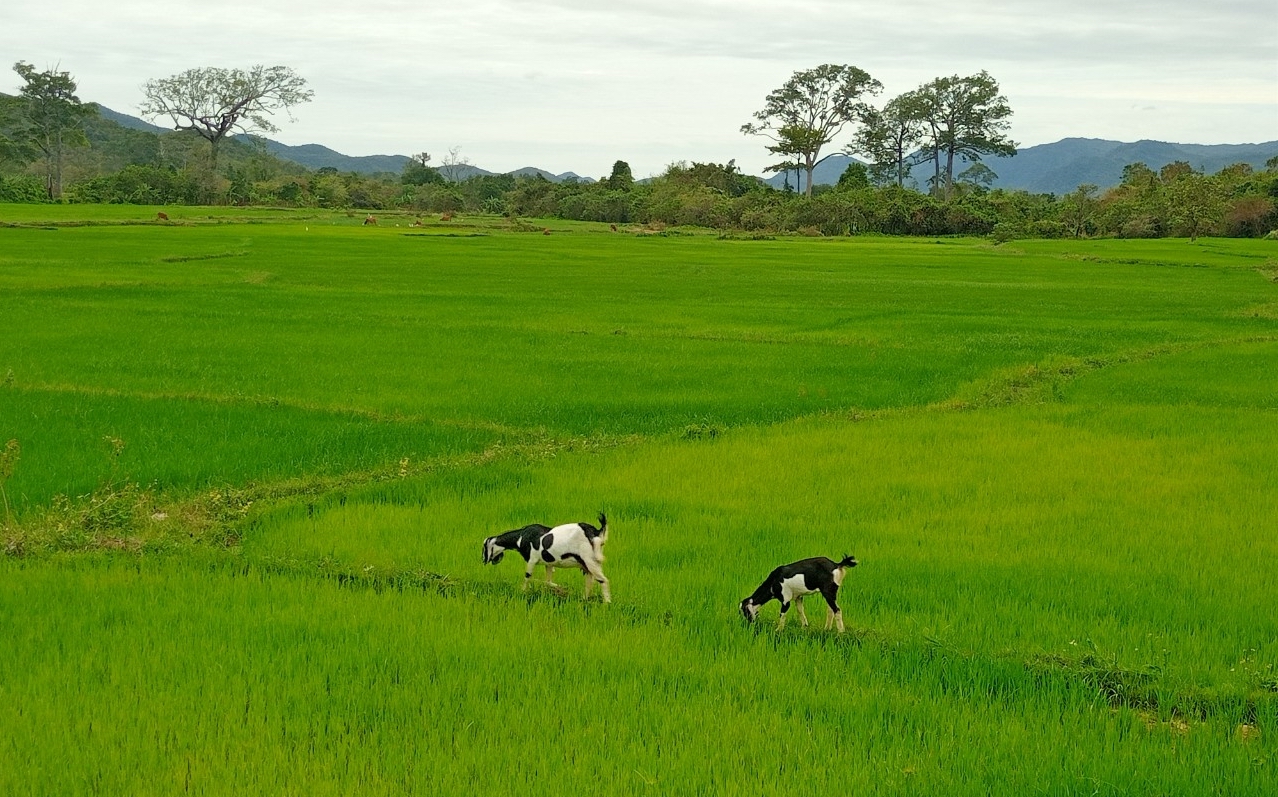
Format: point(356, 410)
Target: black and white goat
point(575, 545)
point(789, 583)
point(521, 540)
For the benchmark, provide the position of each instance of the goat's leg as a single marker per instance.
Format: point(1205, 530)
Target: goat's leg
point(550, 575)
point(596, 573)
point(590, 583)
point(528, 571)
point(803, 616)
point(785, 607)
point(832, 613)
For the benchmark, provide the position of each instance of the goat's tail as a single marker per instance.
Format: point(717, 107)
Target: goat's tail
point(598, 541)
point(848, 561)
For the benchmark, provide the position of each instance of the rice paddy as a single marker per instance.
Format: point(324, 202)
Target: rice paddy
point(257, 453)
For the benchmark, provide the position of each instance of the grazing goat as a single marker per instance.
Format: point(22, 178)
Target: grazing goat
point(521, 540)
point(577, 545)
point(789, 583)
point(370, 220)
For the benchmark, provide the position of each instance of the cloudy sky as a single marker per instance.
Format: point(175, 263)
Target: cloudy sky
point(573, 85)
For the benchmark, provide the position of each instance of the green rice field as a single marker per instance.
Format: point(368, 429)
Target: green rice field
point(254, 454)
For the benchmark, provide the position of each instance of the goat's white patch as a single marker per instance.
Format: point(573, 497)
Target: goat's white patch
point(794, 587)
point(568, 546)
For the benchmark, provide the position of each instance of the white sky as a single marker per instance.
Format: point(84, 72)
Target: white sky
point(573, 85)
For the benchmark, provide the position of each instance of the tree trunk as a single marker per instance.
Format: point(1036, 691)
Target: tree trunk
point(57, 173)
point(949, 174)
point(936, 163)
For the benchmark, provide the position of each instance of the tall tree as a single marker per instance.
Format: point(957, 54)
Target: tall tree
point(216, 102)
point(809, 110)
point(891, 136)
point(50, 119)
point(1197, 201)
point(621, 179)
point(967, 117)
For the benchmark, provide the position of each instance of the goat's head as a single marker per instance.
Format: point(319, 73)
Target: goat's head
point(749, 610)
point(492, 551)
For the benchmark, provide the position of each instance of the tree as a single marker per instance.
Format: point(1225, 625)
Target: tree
point(1078, 209)
point(455, 167)
point(854, 177)
point(621, 178)
point(50, 119)
point(1196, 200)
point(417, 172)
point(216, 102)
point(890, 137)
point(978, 176)
point(808, 111)
point(967, 117)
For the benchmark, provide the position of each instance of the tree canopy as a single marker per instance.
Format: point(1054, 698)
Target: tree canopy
point(49, 119)
point(808, 111)
point(216, 102)
point(890, 137)
point(965, 116)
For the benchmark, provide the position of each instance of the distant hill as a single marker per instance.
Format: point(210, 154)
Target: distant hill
point(1047, 168)
point(131, 122)
point(317, 156)
point(1061, 167)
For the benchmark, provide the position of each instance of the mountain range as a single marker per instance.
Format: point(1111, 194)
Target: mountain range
point(1056, 168)
point(1061, 167)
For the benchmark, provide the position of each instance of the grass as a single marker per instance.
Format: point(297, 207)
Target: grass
point(257, 460)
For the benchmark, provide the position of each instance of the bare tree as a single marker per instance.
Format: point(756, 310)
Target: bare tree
point(454, 166)
point(216, 102)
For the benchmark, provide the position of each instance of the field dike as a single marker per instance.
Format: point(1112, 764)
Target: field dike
point(125, 519)
point(1044, 382)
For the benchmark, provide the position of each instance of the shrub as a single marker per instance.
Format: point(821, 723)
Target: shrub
point(23, 188)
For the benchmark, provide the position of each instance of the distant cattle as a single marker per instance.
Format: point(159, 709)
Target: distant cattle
point(370, 220)
point(161, 216)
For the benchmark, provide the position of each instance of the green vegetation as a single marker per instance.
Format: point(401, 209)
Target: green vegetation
point(946, 122)
point(256, 451)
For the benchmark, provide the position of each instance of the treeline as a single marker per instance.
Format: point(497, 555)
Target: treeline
point(53, 148)
point(1176, 200)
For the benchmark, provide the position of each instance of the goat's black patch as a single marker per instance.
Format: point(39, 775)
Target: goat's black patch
point(590, 531)
point(580, 562)
point(521, 540)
